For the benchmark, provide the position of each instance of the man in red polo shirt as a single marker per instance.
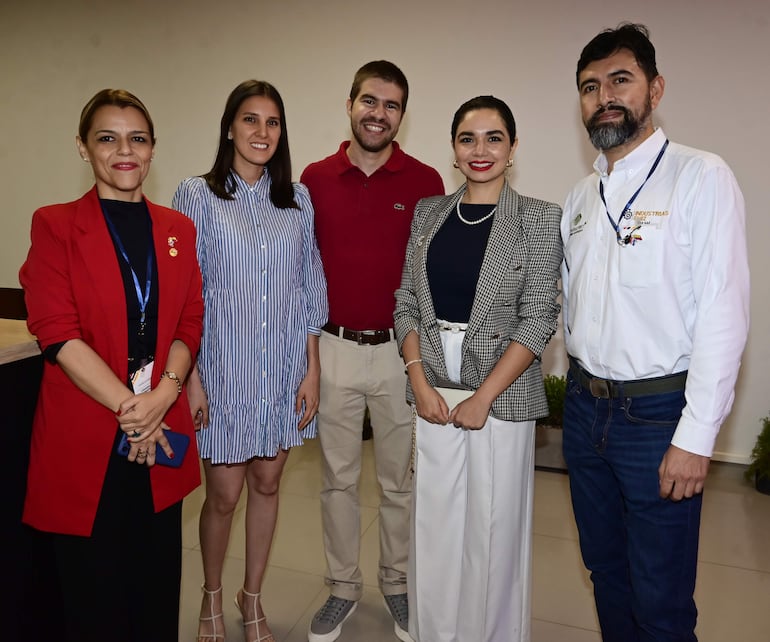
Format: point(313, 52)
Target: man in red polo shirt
point(364, 197)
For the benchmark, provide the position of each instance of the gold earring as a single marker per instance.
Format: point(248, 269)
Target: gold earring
point(84, 158)
point(455, 165)
point(509, 163)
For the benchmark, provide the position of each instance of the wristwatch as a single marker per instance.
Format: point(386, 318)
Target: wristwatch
point(172, 375)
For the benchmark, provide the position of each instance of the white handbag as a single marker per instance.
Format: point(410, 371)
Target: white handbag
point(453, 396)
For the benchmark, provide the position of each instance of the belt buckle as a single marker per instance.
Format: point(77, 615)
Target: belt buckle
point(600, 388)
point(363, 335)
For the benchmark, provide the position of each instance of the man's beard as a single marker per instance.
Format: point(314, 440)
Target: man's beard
point(369, 147)
point(610, 135)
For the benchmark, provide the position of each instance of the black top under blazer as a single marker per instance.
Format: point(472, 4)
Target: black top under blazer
point(515, 297)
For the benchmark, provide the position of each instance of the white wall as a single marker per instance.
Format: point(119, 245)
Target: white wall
point(183, 58)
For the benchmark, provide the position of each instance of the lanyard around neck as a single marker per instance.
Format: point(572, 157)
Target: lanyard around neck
point(625, 240)
point(141, 297)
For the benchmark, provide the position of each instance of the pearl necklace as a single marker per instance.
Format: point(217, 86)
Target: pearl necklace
point(481, 220)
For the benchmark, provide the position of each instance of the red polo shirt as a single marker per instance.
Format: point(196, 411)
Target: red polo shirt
point(362, 225)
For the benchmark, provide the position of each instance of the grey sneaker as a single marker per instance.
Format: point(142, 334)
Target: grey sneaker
point(326, 625)
point(398, 606)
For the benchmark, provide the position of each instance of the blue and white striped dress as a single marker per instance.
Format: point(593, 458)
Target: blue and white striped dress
point(264, 290)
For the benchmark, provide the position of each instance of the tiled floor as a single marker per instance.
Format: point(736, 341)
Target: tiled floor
point(733, 591)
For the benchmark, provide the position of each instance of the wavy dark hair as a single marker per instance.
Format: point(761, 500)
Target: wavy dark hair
point(485, 102)
point(384, 70)
point(115, 97)
point(219, 178)
point(628, 35)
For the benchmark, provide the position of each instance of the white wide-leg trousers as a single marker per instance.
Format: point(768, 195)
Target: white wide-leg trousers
point(470, 558)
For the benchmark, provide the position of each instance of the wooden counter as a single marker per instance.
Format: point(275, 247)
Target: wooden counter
point(16, 342)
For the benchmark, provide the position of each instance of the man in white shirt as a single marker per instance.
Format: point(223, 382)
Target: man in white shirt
point(656, 313)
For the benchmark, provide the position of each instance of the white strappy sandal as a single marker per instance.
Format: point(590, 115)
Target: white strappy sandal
point(212, 617)
point(257, 620)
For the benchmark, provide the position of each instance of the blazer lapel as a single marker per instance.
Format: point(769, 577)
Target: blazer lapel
point(169, 250)
point(506, 227)
point(434, 219)
point(105, 283)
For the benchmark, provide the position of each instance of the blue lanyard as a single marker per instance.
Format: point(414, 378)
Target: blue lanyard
point(142, 299)
point(625, 240)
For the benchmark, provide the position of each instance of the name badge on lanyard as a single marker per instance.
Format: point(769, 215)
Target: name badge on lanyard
point(140, 378)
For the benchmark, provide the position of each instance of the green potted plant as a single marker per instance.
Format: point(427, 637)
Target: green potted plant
point(548, 433)
point(759, 467)
point(555, 391)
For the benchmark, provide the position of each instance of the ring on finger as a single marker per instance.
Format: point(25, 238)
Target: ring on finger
point(141, 453)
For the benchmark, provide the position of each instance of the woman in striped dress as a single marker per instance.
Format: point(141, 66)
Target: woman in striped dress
point(254, 392)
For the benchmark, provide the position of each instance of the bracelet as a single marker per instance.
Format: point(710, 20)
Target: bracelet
point(409, 363)
point(168, 374)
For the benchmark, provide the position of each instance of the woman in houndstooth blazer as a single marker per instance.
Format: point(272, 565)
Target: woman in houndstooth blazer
point(476, 307)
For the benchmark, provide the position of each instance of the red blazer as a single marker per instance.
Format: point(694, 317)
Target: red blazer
point(74, 290)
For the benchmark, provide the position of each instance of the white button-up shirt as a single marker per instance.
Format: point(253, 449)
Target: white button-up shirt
point(676, 296)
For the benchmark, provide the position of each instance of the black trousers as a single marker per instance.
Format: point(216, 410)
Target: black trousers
point(122, 583)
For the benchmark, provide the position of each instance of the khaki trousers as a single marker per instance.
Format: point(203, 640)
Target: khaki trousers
point(353, 377)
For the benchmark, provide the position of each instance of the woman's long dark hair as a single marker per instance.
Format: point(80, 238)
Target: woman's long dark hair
point(219, 177)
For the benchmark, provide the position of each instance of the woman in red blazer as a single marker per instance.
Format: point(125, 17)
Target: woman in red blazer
point(113, 291)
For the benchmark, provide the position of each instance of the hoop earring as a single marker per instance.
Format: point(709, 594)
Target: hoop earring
point(455, 165)
point(509, 163)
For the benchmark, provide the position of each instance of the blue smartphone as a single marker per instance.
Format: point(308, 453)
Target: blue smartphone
point(179, 444)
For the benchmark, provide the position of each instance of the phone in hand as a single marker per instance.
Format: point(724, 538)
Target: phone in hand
point(179, 444)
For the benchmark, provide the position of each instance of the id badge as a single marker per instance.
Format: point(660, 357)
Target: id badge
point(140, 379)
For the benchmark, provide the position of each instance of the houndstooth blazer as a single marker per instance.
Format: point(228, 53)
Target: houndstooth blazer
point(515, 297)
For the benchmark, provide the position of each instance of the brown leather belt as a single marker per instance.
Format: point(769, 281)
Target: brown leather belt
point(609, 389)
point(361, 337)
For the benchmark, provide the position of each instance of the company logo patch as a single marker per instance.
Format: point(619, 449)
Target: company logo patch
point(577, 224)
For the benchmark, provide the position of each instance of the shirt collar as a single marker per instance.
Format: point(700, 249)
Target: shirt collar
point(261, 187)
point(394, 164)
point(637, 159)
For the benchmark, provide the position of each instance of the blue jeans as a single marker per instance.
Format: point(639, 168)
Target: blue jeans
point(641, 550)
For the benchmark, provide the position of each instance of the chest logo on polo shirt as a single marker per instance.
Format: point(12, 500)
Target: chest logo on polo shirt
point(577, 224)
point(399, 206)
